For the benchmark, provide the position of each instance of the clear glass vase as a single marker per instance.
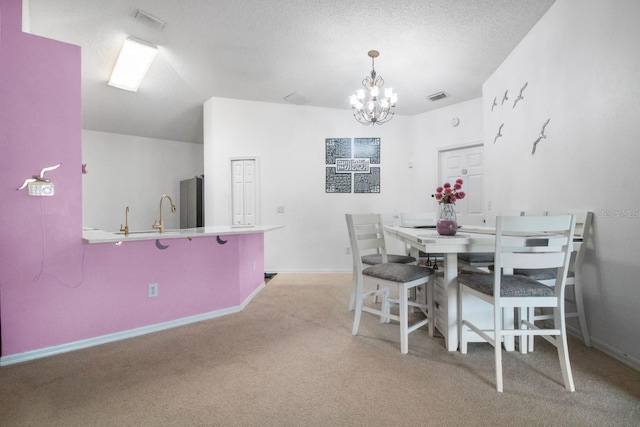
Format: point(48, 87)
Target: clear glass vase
point(447, 224)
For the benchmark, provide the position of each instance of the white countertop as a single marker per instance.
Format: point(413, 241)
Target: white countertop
point(92, 235)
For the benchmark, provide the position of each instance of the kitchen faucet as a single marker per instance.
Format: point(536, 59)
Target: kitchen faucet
point(126, 222)
point(160, 224)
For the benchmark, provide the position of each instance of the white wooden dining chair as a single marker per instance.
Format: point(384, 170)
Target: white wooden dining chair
point(372, 257)
point(584, 221)
point(505, 291)
point(366, 233)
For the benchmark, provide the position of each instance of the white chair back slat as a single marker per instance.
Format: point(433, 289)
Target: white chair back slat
point(532, 260)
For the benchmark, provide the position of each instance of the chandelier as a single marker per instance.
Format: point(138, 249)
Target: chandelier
point(375, 109)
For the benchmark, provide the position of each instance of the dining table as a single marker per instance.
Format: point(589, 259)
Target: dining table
point(471, 239)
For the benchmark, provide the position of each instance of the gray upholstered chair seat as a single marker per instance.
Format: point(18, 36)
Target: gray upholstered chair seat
point(397, 272)
point(374, 259)
point(510, 285)
point(476, 257)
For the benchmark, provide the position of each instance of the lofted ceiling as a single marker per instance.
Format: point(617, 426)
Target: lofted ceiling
point(264, 50)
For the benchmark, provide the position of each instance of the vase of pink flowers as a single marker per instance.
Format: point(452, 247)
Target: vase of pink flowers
point(446, 196)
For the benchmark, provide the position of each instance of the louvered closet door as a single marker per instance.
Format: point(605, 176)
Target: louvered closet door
point(244, 191)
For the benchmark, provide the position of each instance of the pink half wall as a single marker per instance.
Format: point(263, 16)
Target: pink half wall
point(54, 288)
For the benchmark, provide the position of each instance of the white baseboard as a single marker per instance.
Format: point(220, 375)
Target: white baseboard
point(118, 336)
point(607, 349)
point(248, 299)
point(306, 271)
point(616, 354)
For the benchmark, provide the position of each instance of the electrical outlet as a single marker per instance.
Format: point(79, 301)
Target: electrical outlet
point(39, 188)
point(348, 250)
point(153, 290)
point(280, 209)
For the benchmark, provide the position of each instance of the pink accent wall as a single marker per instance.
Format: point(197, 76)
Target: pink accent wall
point(55, 289)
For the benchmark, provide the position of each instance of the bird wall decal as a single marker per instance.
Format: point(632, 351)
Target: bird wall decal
point(499, 133)
point(40, 177)
point(495, 98)
point(541, 136)
point(505, 97)
point(520, 95)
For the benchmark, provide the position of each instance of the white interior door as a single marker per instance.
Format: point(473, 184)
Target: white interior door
point(244, 191)
point(466, 163)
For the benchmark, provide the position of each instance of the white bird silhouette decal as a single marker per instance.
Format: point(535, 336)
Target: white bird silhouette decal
point(505, 97)
point(499, 133)
point(520, 95)
point(494, 102)
point(40, 177)
point(542, 136)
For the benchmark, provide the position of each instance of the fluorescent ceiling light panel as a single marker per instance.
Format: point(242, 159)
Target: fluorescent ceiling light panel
point(133, 63)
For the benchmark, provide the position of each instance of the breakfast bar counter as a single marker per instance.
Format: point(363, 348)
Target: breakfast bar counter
point(92, 235)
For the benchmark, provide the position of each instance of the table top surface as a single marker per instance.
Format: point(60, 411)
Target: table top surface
point(467, 239)
point(428, 235)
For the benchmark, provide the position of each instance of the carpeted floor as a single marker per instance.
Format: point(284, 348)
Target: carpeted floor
point(289, 359)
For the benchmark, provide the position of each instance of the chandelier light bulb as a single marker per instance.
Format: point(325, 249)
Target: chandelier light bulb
point(378, 110)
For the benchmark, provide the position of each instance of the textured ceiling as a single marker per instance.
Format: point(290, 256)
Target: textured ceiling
point(265, 50)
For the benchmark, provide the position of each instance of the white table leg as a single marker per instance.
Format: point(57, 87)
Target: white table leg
point(451, 305)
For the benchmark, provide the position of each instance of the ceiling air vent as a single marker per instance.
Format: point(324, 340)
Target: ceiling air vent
point(297, 98)
point(149, 20)
point(437, 96)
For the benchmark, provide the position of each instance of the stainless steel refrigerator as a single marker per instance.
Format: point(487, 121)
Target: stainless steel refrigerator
point(192, 202)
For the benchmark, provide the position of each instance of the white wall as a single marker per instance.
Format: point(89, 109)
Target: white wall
point(134, 171)
point(582, 64)
point(289, 142)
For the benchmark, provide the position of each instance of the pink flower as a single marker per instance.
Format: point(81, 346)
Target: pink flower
point(450, 193)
